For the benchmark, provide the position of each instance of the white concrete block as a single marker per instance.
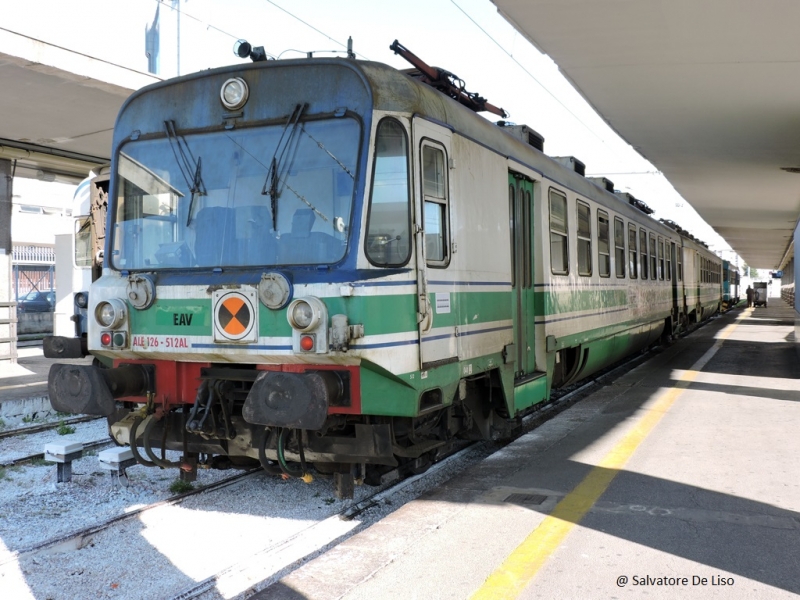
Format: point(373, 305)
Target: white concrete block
point(115, 456)
point(62, 449)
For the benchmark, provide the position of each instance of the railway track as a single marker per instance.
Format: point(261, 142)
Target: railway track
point(46, 426)
point(77, 539)
point(40, 455)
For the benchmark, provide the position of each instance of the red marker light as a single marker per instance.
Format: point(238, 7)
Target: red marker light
point(307, 343)
point(105, 338)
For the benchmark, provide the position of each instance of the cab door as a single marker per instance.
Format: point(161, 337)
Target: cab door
point(436, 284)
point(520, 207)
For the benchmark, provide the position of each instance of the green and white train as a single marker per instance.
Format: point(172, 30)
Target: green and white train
point(327, 262)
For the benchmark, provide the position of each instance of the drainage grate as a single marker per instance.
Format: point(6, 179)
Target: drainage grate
point(528, 499)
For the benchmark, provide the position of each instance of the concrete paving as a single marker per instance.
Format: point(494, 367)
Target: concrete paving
point(680, 478)
point(23, 389)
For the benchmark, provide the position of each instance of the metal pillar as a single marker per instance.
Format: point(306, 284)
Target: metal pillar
point(8, 311)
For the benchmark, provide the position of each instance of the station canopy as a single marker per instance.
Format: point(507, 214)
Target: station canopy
point(58, 107)
point(709, 92)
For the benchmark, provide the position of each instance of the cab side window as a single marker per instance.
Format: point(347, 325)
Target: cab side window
point(388, 240)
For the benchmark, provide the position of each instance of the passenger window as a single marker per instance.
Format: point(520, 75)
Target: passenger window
point(643, 251)
point(584, 239)
point(619, 246)
point(679, 261)
point(670, 251)
point(632, 258)
point(389, 221)
point(653, 257)
point(434, 191)
point(512, 228)
point(559, 252)
point(661, 258)
point(603, 248)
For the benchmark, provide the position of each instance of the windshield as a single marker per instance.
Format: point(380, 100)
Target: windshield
point(277, 195)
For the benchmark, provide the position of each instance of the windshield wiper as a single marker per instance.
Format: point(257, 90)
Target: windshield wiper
point(329, 153)
point(189, 167)
point(276, 167)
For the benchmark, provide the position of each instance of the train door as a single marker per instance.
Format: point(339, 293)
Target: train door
point(673, 275)
point(436, 287)
point(520, 206)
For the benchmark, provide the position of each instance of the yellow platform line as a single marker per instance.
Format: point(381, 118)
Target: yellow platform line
point(522, 565)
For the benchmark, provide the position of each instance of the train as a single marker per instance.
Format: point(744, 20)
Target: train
point(79, 262)
point(331, 266)
point(731, 285)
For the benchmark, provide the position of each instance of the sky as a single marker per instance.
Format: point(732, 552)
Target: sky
point(466, 37)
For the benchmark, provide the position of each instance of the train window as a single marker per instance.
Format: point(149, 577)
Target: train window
point(83, 242)
point(643, 251)
point(661, 258)
point(632, 258)
point(559, 252)
point(434, 191)
point(584, 239)
point(512, 229)
point(619, 247)
point(207, 199)
point(527, 212)
point(679, 261)
point(603, 248)
point(670, 251)
point(388, 241)
point(653, 257)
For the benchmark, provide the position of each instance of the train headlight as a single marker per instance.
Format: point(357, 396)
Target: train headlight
point(305, 314)
point(81, 300)
point(234, 93)
point(110, 313)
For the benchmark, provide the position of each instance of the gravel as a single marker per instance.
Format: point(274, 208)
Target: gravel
point(163, 551)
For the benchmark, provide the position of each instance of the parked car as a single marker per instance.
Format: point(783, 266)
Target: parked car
point(36, 301)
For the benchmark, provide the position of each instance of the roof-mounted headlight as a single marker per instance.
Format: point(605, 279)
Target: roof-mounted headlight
point(234, 93)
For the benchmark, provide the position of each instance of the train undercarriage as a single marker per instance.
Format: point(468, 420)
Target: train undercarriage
point(225, 428)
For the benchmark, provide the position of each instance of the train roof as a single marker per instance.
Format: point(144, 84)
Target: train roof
point(391, 90)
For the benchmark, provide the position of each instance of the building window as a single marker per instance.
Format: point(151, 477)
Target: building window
point(559, 252)
point(584, 239)
point(603, 248)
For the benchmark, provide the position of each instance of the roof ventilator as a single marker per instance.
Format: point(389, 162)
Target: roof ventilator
point(633, 201)
point(602, 183)
point(571, 163)
point(524, 134)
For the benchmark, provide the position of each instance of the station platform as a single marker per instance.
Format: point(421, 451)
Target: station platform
point(23, 385)
point(680, 478)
